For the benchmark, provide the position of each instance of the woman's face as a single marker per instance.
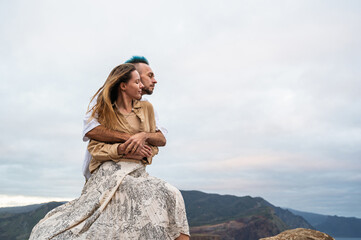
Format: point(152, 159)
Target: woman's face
point(133, 88)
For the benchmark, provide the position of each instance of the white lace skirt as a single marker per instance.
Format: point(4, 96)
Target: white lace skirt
point(119, 201)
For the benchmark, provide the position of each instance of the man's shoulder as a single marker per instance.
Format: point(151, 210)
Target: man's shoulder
point(144, 99)
point(145, 102)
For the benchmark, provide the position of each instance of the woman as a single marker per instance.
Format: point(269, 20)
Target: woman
point(120, 200)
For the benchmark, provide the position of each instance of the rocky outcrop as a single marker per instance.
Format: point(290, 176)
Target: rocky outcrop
point(300, 234)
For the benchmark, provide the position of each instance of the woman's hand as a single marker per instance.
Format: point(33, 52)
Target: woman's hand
point(144, 151)
point(135, 142)
point(140, 153)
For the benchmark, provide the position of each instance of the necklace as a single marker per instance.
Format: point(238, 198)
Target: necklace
point(126, 115)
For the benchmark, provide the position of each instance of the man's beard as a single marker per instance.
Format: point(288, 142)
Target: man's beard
point(148, 91)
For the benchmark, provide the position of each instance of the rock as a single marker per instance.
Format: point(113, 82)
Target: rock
point(300, 234)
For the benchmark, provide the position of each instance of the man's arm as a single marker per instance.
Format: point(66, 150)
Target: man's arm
point(93, 130)
point(156, 139)
point(103, 134)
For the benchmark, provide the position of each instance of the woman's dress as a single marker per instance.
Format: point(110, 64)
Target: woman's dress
point(119, 201)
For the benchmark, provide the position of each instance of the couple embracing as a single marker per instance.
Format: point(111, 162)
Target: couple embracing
point(120, 200)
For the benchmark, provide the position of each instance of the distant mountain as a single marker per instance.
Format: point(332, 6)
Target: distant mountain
point(292, 220)
point(313, 218)
point(333, 225)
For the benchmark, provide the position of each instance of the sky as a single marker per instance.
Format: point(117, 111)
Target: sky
point(260, 98)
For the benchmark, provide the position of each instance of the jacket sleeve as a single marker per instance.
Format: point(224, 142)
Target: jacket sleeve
point(101, 151)
point(154, 152)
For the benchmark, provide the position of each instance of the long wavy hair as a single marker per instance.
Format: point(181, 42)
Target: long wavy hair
point(106, 95)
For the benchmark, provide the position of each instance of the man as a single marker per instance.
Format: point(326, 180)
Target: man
point(93, 130)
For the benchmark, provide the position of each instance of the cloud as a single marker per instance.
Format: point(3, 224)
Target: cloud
point(19, 200)
point(277, 161)
point(259, 98)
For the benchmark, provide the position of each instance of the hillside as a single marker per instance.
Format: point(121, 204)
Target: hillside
point(232, 217)
point(211, 216)
point(18, 225)
point(21, 209)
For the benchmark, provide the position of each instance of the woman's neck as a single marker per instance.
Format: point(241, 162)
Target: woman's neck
point(124, 103)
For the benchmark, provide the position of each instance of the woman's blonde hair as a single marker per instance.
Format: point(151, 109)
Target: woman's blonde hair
point(106, 95)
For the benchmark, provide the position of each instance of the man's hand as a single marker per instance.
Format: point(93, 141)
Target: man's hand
point(135, 142)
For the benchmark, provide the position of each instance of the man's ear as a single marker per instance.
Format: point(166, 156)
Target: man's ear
point(123, 86)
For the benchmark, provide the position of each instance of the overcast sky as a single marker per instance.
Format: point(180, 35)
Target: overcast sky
point(260, 98)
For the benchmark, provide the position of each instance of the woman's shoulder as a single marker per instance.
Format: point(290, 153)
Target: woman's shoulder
point(145, 104)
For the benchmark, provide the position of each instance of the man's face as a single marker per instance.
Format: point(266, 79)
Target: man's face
point(147, 78)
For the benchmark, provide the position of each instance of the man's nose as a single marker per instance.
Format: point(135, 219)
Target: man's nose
point(154, 80)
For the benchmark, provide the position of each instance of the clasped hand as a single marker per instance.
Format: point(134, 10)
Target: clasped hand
point(136, 146)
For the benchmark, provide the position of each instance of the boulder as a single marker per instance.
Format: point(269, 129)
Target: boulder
point(300, 234)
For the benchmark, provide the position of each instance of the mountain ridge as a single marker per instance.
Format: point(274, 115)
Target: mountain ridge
point(333, 225)
point(210, 216)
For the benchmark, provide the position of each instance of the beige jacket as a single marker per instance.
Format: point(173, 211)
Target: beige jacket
point(102, 152)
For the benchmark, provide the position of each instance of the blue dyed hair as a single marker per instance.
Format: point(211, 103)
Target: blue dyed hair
point(137, 59)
